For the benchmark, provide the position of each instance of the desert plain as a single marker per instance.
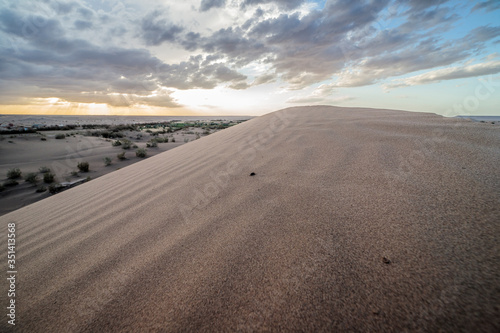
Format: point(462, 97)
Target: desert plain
point(60, 143)
point(306, 219)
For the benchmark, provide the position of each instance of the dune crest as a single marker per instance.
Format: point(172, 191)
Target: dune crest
point(355, 219)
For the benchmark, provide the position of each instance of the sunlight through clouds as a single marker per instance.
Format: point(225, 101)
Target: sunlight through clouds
point(213, 54)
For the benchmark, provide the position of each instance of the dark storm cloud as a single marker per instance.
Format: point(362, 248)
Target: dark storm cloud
point(209, 4)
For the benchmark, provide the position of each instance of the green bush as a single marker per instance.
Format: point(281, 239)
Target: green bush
point(43, 169)
point(31, 178)
point(121, 156)
point(48, 177)
point(141, 152)
point(107, 161)
point(14, 173)
point(173, 139)
point(2, 188)
point(117, 143)
point(83, 166)
point(54, 188)
point(60, 136)
point(43, 139)
point(153, 144)
point(41, 188)
point(126, 144)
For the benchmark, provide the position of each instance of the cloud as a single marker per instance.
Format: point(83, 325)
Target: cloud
point(263, 79)
point(308, 49)
point(319, 100)
point(451, 73)
point(285, 4)
point(421, 5)
point(80, 50)
point(198, 72)
point(79, 24)
point(85, 13)
point(488, 5)
point(431, 53)
point(321, 95)
point(483, 34)
point(63, 7)
point(45, 62)
point(209, 4)
point(156, 30)
point(239, 85)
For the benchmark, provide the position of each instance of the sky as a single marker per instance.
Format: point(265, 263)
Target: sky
point(248, 57)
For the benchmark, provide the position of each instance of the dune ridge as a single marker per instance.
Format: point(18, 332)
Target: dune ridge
point(187, 240)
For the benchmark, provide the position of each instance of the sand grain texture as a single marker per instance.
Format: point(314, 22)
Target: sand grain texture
point(188, 241)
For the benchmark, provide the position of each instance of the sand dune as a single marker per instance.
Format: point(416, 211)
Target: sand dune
point(187, 240)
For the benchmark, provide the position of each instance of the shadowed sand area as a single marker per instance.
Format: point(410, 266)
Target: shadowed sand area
point(187, 240)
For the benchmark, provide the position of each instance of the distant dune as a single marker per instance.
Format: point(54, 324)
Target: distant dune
point(354, 220)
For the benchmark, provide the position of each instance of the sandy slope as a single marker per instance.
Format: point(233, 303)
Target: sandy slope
point(189, 241)
point(28, 153)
